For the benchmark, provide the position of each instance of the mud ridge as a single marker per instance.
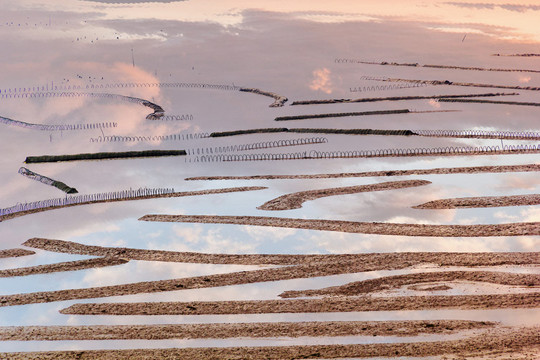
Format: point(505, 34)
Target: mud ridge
point(481, 202)
point(498, 340)
point(236, 330)
point(395, 282)
point(508, 229)
point(456, 170)
point(64, 266)
point(295, 200)
point(331, 304)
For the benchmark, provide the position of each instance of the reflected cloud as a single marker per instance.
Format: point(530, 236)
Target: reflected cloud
point(321, 81)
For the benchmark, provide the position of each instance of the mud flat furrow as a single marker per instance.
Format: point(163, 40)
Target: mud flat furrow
point(64, 266)
point(143, 197)
point(295, 200)
point(457, 170)
point(371, 260)
point(508, 229)
point(394, 282)
point(331, 304)
point(497, 340)
point(481, 202)
point(236, 330)
point(313, 269)
point(397, 98)
point(10, 253)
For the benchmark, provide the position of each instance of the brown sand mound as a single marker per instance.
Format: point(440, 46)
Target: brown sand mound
point(510, 229)
point(236, 330)
point(482, 202)
point(64, 266)
point(394, 282)
point(489, 342)
point(457, 170)
point(295, 200)
point(15, 253)
point(364, 303)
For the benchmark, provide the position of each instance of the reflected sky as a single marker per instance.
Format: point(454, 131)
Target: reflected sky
point(288, 48)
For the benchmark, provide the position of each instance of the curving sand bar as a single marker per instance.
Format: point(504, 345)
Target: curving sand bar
point(295, 200)
point(459, 170)
point(499, 340)
point(369, 261)
point(338, 304)
point(9, 253)
point(482, 202)
point(509, 229)
point(395, 282)
point(64, 266)
point(236, 330)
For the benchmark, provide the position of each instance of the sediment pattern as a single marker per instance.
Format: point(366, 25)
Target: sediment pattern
point(481, 202)
point(456, 170)
point(236, 330)
point(509, 229)
point(490, 102)
point(64, 266)
point(365, 262)
point(337, 304)
point(332, 115)
point(10, 253)
point(397, 281)
point(499, 340)
point(295, 200)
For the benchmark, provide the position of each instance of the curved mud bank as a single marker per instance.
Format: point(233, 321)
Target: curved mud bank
point(509, 229)
point(481, 202)
point(295, 200)
point(11, 253)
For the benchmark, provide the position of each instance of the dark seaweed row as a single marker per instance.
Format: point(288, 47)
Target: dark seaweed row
point(103, 156)
point(314, 131)
point(332, 115)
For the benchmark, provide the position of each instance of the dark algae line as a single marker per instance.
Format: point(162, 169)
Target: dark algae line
point(103, 156)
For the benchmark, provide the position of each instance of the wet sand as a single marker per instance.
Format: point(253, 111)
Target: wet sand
point(395, 282)
point(236, 330)
point(501, 339)
point(10, 253)
point(364, 261)
point(459, 170)
point(295, 200)
point(64, 266)
point(481, 202)
point(332, 304)
point(508, 229)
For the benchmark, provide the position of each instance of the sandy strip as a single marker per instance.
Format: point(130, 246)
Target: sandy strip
point(9, 253)
point(368, 261)
point(495, 340)
point(314, 269)
point(63, 266)
point(519, 103)
point(331, 304)
point(482, 202)
point(454, 83)
point(295, 200)
point(168, 195)
point(395, 282)
point(236, 330)
point(509, 229)
point(462, 170)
